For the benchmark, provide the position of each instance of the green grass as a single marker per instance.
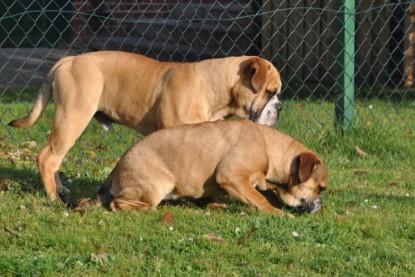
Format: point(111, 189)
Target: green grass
point(366, 228)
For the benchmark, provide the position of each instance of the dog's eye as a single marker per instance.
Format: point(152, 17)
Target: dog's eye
point(321, 188)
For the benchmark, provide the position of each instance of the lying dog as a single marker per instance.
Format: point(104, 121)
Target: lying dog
point(145, 95)
point(216, 158)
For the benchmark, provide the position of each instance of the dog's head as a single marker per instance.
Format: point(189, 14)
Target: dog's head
point(259, 83)
point(308, 178)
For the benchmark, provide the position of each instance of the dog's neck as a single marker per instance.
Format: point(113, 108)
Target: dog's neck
point(282, 150)
point(221, 99)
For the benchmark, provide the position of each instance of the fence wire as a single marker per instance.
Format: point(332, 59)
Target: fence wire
point(299, 37)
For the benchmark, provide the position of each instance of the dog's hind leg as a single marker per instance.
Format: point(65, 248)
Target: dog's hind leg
point(128, 204)
point(133, 199)
point(66, 129)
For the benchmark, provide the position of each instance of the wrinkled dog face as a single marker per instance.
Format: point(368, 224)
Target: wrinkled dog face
point(270, 113)
point(256, 96)
point(308, 179)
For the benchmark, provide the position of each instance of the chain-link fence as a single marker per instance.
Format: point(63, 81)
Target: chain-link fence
point(304, 39)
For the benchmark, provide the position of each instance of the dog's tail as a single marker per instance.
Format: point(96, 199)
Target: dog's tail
point(42, 100)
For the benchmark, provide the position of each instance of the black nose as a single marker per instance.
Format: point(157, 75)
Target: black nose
point(278, 106)
point(310, 206)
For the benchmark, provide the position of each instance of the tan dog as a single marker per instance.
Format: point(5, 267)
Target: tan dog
point(145, 95)
point(217, 158)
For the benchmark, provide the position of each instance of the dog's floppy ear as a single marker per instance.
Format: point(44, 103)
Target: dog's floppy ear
point(303, 165)
point(257, 70)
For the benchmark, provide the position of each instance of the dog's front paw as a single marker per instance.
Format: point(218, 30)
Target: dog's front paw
point(283, 214)
point(289, 216)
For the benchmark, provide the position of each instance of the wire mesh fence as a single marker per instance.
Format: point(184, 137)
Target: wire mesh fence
point(300, 37)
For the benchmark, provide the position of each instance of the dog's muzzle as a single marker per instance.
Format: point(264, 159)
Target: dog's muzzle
point(311, 206)
point(269, 114)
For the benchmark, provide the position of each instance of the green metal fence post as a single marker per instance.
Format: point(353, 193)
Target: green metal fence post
point(344, 106)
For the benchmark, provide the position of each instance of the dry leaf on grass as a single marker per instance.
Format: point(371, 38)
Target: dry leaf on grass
point(168, 219)
point(361, 152)
point(20, 156)
point(213, 237)
point(16, 155)
point(11, 232)
point(102, 257)
point(393, 183)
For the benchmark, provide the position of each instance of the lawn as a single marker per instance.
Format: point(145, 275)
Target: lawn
point(366, 227)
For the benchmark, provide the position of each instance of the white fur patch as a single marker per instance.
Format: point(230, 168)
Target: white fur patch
point(106, 126)
point(172, 196)
point(269, 114)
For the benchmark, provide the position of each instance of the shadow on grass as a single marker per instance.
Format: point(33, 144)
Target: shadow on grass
point(230, 204)
point(26, 181)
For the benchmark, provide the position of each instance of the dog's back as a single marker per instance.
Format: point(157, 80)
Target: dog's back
point(185, 155)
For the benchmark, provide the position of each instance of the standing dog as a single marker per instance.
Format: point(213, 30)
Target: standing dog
point(145, 95)
point(216, 158)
